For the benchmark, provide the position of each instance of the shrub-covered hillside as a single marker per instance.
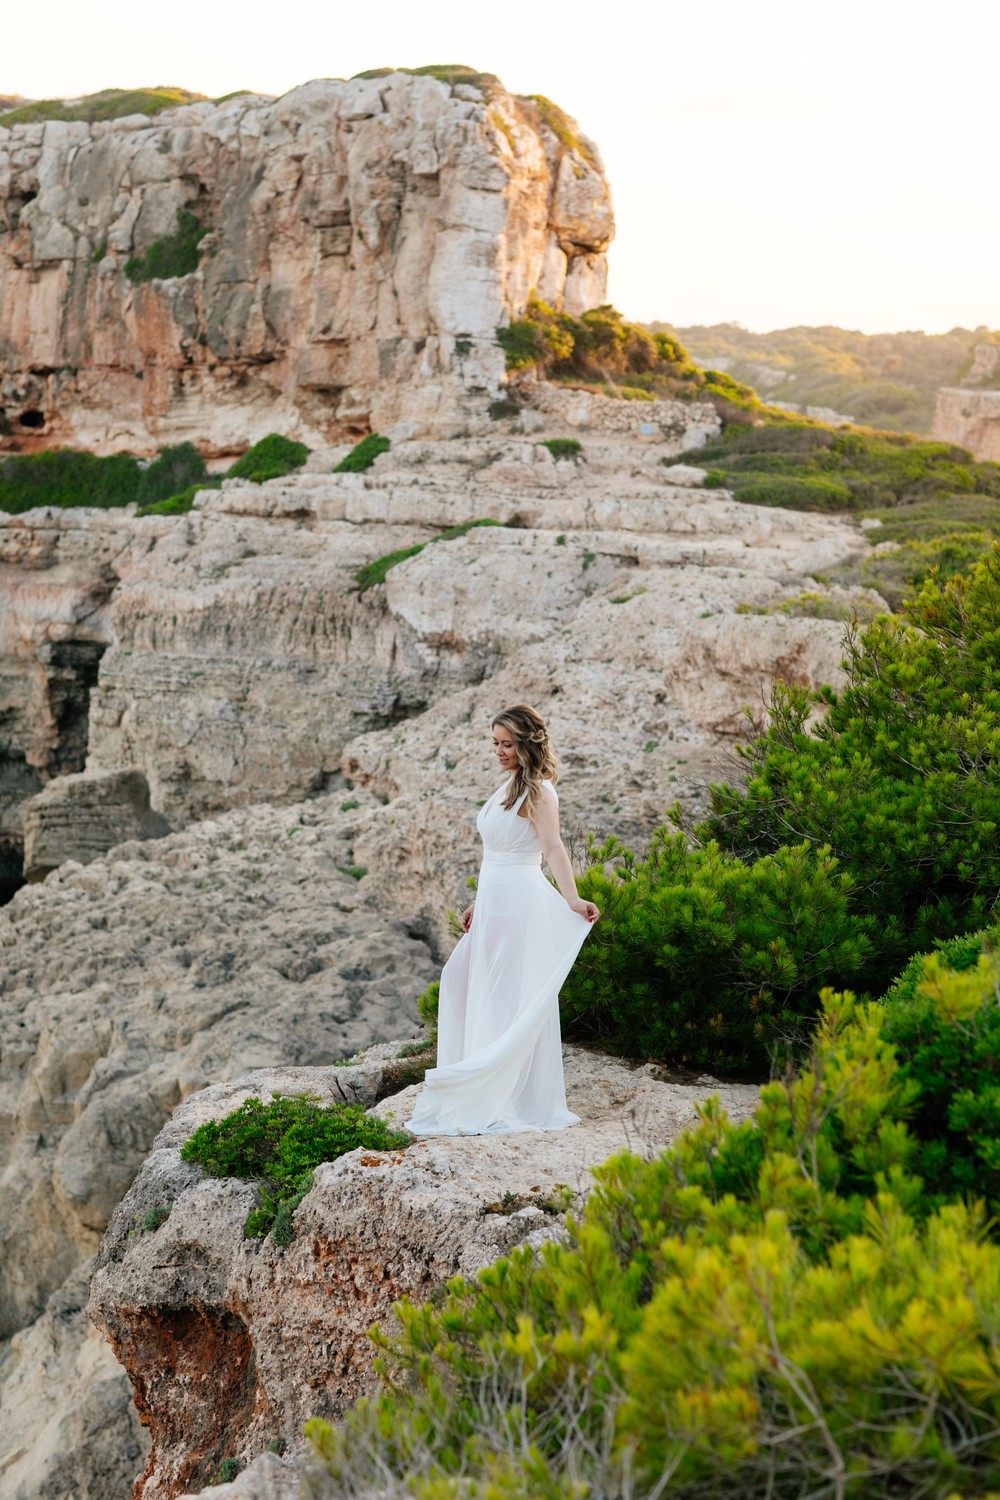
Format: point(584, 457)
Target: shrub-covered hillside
point(885, 380)
point(934, 500)
point(602, 352)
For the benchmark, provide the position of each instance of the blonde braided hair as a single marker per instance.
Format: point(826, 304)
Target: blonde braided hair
point(536, 761)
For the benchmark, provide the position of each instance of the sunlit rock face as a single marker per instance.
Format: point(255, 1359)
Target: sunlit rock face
point(363, 241)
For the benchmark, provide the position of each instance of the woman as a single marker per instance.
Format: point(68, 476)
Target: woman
point(499, 1051)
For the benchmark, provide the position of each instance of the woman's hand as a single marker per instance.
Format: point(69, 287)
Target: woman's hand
point(584, 908)
point(466, 917)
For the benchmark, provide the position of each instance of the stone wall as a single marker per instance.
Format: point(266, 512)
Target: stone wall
point(364, 241)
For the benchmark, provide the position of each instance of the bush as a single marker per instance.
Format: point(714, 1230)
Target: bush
point(280, 1144)
point(947, 1036)
point(180, 505)
point(272, 457)
point(175, 254)
point(600, 347)
point(364, 454)
point(772, 1309)
point(705, 960)
point(901, 779)
point(563, 447)
point(178, 468)
point(66, 478)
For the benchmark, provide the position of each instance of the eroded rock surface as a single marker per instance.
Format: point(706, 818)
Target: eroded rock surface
point(239, 666)
point(363, 241)
point(277, 1335)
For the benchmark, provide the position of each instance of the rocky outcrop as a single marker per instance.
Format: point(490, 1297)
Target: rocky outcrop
point(278, 1335)
point(361, 243)
point(133, 981)
point(238, 660)
point(969, 413)
point(79, 817)
point(970, 418)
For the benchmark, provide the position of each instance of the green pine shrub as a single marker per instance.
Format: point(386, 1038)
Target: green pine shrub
point(770, 1310)
point(165, 487)
point(65, 478)
point(900, 779)
point(272, 457)
point(948, 1042)
point(279, 1145)
point(364, 454)
point(174, 254)
point(563, 447)
point(604, 352)
point(707, 960)
point(176, 469)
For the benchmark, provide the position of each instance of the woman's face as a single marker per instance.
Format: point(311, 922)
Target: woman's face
point(504, 748)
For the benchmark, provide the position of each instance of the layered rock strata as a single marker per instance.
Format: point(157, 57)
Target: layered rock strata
point(361, 242)
point(276, 1335)
point(238, 660)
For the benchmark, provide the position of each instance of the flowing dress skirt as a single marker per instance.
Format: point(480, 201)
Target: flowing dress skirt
point(499, 1048)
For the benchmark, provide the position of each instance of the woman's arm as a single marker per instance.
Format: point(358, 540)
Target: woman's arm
point(546, 822)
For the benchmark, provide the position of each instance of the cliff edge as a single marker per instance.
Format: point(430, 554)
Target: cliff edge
point(325, 263)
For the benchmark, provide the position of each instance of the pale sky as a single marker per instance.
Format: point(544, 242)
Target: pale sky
point(771, 163)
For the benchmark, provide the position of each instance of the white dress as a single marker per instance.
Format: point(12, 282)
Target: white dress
point(499, 1049)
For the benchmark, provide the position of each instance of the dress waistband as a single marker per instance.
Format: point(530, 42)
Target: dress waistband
point(510, 857)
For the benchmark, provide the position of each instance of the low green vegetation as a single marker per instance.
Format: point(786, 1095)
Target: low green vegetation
point(165, 487)
point(271, 458)
point(63, 478)
point(563, 447)
point(108, 104)
point(884, 380)
point(375, 572)
point(175, 254)
point(801, 1304)
point(450, 73)
point(934, 500)
point(364, 454)
point(602, 352)
point(279, 1145)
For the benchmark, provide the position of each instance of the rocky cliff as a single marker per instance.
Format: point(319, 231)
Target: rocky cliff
point(272, 1335)
point(321, 264)
point(319, 754)
point(969, 414)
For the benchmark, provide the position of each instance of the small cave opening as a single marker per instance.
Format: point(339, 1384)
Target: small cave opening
point(32, 418)
point(11, 868)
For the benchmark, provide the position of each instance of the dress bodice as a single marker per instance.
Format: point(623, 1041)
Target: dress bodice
point(504, 831)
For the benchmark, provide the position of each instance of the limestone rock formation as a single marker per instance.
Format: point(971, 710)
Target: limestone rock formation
point(278, 1334)
point(78, 817)
point(970, 418)
point(237, 660)
point(361, 243)
point(969, 413)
